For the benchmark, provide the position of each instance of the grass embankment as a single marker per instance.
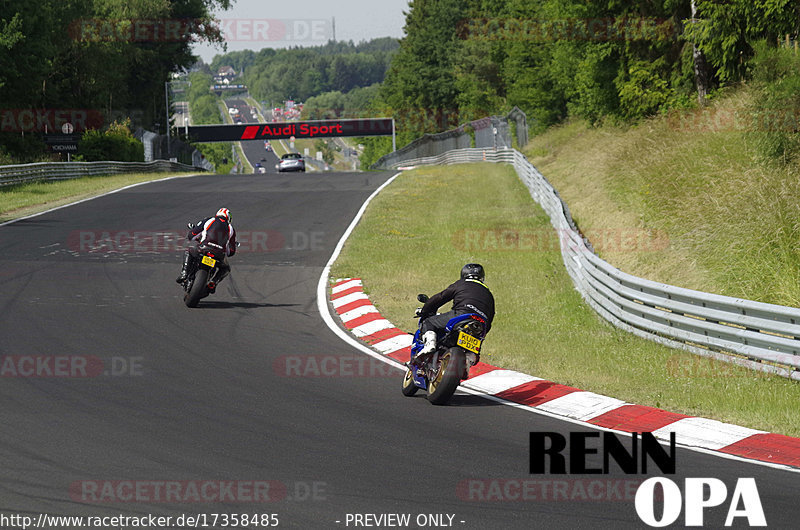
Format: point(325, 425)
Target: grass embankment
point(340, 162)
point(20, 200)
point(410, 242)
point(724, 222)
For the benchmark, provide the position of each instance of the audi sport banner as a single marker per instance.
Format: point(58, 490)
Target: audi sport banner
point(297, 129)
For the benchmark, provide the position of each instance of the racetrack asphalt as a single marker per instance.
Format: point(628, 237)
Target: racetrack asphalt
point(254, 150)
point(251, 385)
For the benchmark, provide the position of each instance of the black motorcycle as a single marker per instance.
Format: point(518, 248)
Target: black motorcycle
point(202, 275)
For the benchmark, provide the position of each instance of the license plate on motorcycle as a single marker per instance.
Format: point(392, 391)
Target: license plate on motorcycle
point(209, 261)
point(468, 342)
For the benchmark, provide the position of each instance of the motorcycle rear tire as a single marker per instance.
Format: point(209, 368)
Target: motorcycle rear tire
point(442, 387)
point(199, 288)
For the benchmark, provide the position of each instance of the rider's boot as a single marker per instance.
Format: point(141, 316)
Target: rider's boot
point(429, 345)
point(429, 341)
point(185, 269)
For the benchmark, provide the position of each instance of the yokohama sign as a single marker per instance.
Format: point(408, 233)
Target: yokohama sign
point(298, 129)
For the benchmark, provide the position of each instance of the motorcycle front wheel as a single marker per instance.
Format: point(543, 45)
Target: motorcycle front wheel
point(409, 388)
point(447, 377)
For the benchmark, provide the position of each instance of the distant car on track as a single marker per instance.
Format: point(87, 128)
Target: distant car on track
point(291, 162)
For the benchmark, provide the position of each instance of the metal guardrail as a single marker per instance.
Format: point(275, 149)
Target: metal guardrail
point(491, 132)
point(20, 173)
point(459, 156)
point(764, 337)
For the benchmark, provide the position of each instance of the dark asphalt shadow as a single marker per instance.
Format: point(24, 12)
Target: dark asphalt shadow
point(462, 400)
point(244, 305)
point(33, 221)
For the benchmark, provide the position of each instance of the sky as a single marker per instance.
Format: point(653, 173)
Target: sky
point(257, 24)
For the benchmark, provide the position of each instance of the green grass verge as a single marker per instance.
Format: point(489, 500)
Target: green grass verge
point(340, 163)
point(300, 145)
point(20, 200)
point(725, 221)
point(280, 147)
point(410, 242)
point(247, 167)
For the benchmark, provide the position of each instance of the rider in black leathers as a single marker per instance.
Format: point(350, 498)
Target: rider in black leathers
point(469, 295)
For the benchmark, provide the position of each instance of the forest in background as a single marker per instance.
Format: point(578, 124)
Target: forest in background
point(108, 59)
point(458, 60)
point(605, 60)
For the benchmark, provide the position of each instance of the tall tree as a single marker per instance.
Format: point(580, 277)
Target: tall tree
point(105, 55)
point(421, 83)
point(700, 65)
point(726, 32)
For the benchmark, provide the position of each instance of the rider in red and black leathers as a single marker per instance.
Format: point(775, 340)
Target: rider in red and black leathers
point(216, 232)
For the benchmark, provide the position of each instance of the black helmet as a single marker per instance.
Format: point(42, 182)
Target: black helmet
point(472, 271)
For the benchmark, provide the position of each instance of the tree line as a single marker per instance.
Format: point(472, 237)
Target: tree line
point(102, 57)
point(275, 75)
point(556, 58)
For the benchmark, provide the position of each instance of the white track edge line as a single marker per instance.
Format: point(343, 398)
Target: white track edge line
point(324, 311)
point(103, 195)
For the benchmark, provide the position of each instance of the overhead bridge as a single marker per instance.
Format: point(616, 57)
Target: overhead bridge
point(287, 130)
